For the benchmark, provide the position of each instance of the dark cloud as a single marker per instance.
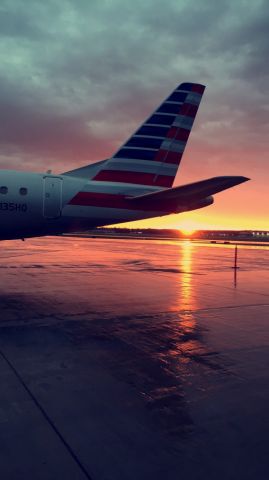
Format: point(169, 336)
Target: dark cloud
point(77, 76)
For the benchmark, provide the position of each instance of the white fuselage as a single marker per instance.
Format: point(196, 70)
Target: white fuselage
point(34, 204)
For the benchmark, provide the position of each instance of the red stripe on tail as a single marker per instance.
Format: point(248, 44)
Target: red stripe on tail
point(168, 157)
point(198, 88)
point(110, 200)
point(134, 177)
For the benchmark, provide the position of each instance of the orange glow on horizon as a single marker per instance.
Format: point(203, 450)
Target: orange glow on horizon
point(244, 207)
point(202, 220)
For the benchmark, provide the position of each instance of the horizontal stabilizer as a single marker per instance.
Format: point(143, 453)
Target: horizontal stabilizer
point(193, 191)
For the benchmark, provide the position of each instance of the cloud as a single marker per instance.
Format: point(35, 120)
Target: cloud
point(77, 76)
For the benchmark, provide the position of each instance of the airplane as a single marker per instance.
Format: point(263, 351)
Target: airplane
point(134, 184)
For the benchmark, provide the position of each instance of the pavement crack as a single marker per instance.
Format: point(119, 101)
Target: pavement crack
point(46, 416)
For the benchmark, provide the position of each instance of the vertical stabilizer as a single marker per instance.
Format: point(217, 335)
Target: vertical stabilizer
point(153, 153)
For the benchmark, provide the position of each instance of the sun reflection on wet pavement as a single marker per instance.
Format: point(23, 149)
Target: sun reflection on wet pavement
point(164, 317)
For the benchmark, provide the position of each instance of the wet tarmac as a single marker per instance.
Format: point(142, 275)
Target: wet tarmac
point(133, 359)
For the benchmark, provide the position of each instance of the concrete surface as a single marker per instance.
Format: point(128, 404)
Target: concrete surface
point(125, 359)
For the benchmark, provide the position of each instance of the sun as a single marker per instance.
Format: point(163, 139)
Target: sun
point(187, 232)
point(187, 228)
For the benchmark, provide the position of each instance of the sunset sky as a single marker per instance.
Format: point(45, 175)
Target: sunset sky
point(77, 77)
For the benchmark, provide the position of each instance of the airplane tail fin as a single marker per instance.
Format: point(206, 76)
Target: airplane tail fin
point(153, 153)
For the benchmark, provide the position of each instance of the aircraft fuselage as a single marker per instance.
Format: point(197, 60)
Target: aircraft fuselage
point(33, 204)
